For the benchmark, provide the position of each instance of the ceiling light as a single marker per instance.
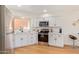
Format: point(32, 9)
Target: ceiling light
point(22, 17)
point(46, 15)
point(19, 5)
point(44, 10)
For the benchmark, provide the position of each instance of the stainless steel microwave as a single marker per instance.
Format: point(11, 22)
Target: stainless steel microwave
point(43, 23)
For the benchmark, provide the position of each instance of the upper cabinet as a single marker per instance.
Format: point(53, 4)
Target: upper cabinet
point(35, 21)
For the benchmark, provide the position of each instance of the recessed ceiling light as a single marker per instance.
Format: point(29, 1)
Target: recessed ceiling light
point(44, 10)
point(19, 5)
point(23, 17)
point(46, 15)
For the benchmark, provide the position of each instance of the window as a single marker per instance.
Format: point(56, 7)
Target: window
point(20, 23)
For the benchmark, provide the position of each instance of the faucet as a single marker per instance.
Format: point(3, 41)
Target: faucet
point(21, 29)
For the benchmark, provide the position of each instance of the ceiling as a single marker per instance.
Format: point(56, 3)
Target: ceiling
point(36, 10)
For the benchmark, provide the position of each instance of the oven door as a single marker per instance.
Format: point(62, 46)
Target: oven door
point(43, 36)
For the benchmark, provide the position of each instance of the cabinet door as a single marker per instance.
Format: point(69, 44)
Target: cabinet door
point(17, 41)
point(26, 40)
point(60, 41)
point(31, 39)
point(23, 41)
point(56, 40)
point(20, 40)
point(51, 40)
point(34, 39)
point(52, 21)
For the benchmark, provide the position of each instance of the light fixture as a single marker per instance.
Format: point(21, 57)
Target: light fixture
point(76, 22)
point(19, 5)
point(45, 13)
point(45, 10)
point(23, 17)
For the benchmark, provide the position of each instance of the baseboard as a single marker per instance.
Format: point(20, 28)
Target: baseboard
point(22, 46)
point(70, 45)
point(26, 46)
point(55, 46)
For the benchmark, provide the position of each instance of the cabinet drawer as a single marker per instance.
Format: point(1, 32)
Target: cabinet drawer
point(17, 43)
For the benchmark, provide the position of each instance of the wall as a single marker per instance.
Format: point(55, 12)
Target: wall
point(66, 23)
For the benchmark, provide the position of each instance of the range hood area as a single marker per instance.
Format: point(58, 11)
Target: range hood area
point(48, 31)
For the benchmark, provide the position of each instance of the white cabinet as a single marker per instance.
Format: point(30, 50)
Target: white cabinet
point(18, 41)
point(56, 40)
point(35, 21)
point(60, 41)
point(24, 39)
point(51, 40)
point(32, 38)
point(52, 21)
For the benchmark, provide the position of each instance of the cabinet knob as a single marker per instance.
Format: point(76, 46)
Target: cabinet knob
point(21, 38)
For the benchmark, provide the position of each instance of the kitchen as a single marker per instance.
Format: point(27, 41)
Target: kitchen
point(43, 26)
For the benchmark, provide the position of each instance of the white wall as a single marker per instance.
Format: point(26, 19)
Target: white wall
point(66, 23)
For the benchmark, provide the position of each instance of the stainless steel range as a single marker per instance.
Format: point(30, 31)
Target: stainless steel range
point(43, 34)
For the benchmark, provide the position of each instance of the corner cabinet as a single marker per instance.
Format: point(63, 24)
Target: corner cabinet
point(24, 39)
point(56, 40)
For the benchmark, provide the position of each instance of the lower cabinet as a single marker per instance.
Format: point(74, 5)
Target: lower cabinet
point(56, 40)
point(17, 42)
point(21, 40)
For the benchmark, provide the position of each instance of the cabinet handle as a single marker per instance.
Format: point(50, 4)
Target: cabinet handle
point(21, 38)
